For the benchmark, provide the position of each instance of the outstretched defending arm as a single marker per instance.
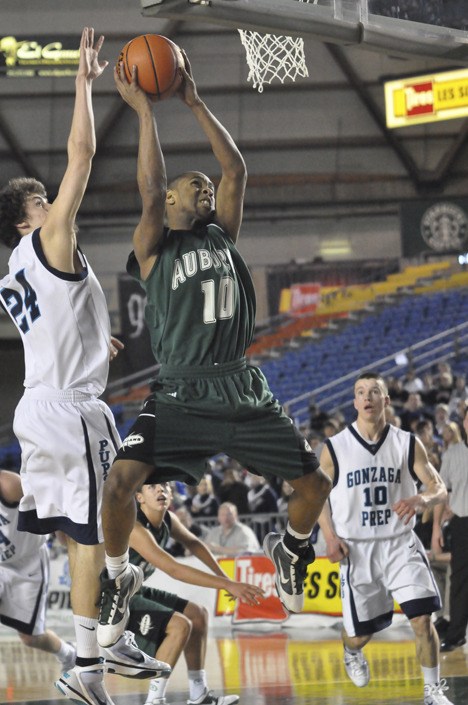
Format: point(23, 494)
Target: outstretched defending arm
point(151, 174)
point(58, 235)
point(231, 189)
point(141, 540)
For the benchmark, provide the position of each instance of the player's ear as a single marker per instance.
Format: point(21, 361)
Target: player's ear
point(170, 197)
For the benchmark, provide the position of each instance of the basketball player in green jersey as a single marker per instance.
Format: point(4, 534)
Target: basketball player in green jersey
point(201, 315)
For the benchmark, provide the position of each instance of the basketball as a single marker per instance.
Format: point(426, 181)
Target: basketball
point(158, 61)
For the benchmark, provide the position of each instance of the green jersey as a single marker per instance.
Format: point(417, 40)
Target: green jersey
point(200, 307)
point(161, 535)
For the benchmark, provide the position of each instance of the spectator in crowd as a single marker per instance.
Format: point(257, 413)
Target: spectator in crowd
point(391, 416)
point(262, 499)
point(412, 383)
point(283, 499)
point(450, 435)
point(443, 367)
point(459, 393)
point(233, 489)
point(317, 417)
point(330, 428)
point(398, 395)
point(204, 503)
point(175, 548)
point(429, 393)
point(444, 388)
point(459, 412)
point(454, 472)
point(413, 411)
point(425, 432)
point(230, 537)
point(441, 419)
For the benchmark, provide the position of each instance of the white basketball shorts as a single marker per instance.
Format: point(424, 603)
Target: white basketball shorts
point(375, 573)
point(68, 442)
point(24, 597)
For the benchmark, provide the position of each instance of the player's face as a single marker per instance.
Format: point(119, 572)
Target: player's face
point(196, 195)
point(370, 399)
point(36, 209)
point(156, 496)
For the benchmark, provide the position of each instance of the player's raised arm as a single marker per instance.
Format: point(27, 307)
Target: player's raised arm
point(58, 233)
point(151, 173)
point(231, 189)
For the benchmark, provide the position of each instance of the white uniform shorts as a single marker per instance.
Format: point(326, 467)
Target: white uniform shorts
point(375, 573)
point(23, 590)
point(68, 442)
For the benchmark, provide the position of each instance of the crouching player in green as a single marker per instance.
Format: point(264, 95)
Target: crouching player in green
point(163, 623)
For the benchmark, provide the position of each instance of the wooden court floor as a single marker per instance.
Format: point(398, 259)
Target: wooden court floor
point(287, 667)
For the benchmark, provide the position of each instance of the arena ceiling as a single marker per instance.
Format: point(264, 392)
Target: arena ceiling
point(319, 144)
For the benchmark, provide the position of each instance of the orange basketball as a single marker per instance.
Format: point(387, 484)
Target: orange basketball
point(158, 61)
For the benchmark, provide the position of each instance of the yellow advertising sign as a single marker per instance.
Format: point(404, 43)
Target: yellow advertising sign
point(321, 587)
point(46, 56)
point(431, 98)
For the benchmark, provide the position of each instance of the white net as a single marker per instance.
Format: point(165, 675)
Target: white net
point(271, 56)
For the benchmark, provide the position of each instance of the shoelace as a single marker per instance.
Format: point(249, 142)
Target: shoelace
point(110, 594)
point(438, 688)
point(129, 639)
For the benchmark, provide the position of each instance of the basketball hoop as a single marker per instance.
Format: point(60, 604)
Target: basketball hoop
point(271, 56)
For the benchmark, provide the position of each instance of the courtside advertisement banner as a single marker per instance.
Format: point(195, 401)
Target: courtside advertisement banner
point(431, 98)
point(321, 590)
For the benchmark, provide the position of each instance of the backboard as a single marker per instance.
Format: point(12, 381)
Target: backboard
point(404, 27)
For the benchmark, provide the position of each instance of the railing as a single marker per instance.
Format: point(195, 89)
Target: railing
point(261, 524)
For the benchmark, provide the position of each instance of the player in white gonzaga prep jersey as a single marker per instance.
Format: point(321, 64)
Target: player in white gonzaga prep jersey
point(67, 434)
point(368, 527)
point(24, 576)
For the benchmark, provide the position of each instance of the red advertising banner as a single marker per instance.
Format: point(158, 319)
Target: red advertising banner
point(304, 298)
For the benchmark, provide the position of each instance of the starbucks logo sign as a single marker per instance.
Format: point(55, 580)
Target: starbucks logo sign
point(444, 227)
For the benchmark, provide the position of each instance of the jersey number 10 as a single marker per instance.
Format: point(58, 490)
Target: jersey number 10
point(222, 308)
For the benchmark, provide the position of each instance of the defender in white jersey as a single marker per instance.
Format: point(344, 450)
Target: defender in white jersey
point(68, 437)
point(24, 577)
point(368, 527)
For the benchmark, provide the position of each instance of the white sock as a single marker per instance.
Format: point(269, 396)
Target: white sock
point(86, 640)
point(431, 675)
point(157, 689)
point(116, 564)
point(197, 683)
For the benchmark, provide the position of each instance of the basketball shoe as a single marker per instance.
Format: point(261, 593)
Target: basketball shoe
point(291, 571)
point(209, 698)
point(434, 694)
point(84, 685)
point(124, 658)
point(357, 668)
point(115, 597)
